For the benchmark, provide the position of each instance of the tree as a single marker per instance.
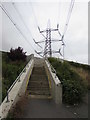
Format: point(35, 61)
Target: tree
point(17, 54)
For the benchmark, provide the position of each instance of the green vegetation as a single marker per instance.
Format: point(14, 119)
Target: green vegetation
point(79, 65)
point(10, 70)
point(17, 54)
point(73, 86)
point(83, 71)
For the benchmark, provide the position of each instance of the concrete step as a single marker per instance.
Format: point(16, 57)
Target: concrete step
point(38, 81)
point(31, 92)
point(38, 62)
point(38, 88)
point(38, 70)
point(38, 78)
point(35, 83)
point(40, 96)
point(39, 65)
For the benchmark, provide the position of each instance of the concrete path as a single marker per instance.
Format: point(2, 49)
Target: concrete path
point(41, 108)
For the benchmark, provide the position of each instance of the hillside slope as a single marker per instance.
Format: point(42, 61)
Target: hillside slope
point(74, 78)
point(10, 71)
point(83, 71)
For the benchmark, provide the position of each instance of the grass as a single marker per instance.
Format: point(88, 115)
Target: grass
point(74, 87)
point(83, 71)
point(79, 65)
point(10, 71)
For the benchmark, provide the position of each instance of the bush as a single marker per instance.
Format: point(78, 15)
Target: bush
point(72, 83)
point(17, 54)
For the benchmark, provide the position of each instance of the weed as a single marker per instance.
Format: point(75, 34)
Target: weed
point(72, 84)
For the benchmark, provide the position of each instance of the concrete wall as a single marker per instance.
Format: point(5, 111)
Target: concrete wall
point(0, 77)
point(29, 57)
point(54, 83)
point(17, 91)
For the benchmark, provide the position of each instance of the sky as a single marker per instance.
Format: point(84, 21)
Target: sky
point(29, 14)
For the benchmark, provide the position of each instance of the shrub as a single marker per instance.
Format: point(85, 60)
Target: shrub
point(17, 54)
point(72, 83)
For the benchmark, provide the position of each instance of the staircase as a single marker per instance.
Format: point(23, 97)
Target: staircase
point(38, 86)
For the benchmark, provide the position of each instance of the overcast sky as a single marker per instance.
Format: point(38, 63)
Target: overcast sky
point(27, 15)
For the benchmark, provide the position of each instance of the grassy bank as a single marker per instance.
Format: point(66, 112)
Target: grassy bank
point(74, 87)
point(83, 71)
point(10, 71)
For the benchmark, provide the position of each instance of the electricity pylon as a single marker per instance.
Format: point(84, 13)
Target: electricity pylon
point(47, 34)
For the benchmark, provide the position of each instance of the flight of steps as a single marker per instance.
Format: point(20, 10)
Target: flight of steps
point(38, 85)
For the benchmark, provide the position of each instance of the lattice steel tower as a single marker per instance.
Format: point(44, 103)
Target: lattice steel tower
point(47, 49)
point(48, 40)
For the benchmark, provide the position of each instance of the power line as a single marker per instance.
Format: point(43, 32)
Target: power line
point(59, 11)
point(67, 22)
point(68, 16)
point(48, 31)
point(30, 3)
point(5, 11)
point(44, 31)
point(24, 22)
point(47, 42)
point(21, 18)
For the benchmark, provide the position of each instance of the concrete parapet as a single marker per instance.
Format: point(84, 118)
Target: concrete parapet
point(54, 83)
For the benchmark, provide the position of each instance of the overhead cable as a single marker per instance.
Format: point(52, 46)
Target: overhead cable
point(68, 16)
point(16, 26)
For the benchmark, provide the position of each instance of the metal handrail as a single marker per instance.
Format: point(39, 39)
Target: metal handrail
point(54, 71)
point(17, 79)
point(52, 68)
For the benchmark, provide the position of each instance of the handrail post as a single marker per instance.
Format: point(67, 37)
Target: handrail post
point(7, 97)
point(51, 67)
point(19, 79)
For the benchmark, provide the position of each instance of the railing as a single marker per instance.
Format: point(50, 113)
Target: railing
point(17, 79)
point(55, 83)
point(52, 68)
